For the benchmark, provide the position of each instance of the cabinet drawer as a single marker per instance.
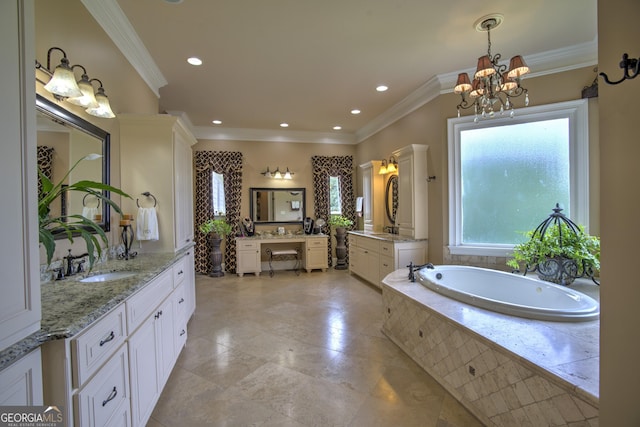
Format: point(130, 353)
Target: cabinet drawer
point(372, 245)
point(386, 266)
point(105, 394)
point(143, 303)
point(95, 345)
point(316, 243)
point(386, 248)
point(243, 245)
point(181, 304)
point(179, 271)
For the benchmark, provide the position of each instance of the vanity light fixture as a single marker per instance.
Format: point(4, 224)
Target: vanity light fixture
point(63, 81)
point(63, 86)
point(388, 167)
point(277, 174)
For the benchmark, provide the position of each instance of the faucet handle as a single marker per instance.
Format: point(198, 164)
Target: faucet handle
point(80, 267)
point(60, 272)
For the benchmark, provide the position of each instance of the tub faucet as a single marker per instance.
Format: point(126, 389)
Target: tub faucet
point(70, 258)
point(414, 268)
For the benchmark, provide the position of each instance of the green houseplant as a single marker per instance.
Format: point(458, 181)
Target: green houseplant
point(559, 255)
point(72, 225)
point(340, 223)
point(215, 229)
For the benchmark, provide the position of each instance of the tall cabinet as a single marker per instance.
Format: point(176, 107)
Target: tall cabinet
point(156, 157)
point(412, 214)
point(372, 196)
point(21, 383)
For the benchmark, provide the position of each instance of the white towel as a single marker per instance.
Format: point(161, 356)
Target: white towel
point(89, 213)
point(147, 224)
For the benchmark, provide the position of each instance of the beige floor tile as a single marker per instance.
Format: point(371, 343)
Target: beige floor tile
point(297, 351)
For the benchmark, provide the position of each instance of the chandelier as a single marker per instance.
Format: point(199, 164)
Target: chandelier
point(493, 85)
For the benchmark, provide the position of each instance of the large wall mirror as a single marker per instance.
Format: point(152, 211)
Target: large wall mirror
point(391, 198)
point(63, 139)
point(277, 205)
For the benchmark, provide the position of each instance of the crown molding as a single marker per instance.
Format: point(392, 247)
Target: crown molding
point(269, 135)
point(114, 22)
point(545, 63)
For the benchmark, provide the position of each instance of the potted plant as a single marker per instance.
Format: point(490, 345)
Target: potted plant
point(72, 225)
point(560, 252)
point(216, 229)
point(340, 224)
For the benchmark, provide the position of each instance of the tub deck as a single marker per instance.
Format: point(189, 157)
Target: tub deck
point(546, 364)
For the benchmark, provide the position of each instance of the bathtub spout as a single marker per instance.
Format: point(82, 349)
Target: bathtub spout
point(414, 268)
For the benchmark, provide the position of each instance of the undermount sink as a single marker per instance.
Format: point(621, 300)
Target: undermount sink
point(105, 277)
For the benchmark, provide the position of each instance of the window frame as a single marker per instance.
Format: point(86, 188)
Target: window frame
point(578, 115)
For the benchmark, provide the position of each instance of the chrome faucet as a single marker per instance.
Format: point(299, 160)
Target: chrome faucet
point(70, 258)
point(414, 268)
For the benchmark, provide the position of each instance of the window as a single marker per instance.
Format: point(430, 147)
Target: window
point(217, 194)
point(506, 174)
point(335, 198)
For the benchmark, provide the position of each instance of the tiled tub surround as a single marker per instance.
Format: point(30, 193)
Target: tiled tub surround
point(507, 370)
point(68, 305)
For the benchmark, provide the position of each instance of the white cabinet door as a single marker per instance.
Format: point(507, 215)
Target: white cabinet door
point(22, 382)
point(20, 282)
point(412, 216)
point(183, 177)
point(247, 257)
point(165, 331)
point(143, 362)
point(372, 195)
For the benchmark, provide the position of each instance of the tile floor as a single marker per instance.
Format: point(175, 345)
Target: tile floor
point(297, 351)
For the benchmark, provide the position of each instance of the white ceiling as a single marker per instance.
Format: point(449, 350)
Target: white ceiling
point(309, 62)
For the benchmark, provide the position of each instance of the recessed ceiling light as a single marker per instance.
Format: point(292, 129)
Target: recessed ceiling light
point(355, 111)
point(194, 61)
point(173, 1)
point(382, 88)
point(337, 128)
point(217, 122)
point(284, 125)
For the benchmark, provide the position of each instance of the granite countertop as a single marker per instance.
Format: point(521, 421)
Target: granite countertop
point(270, 236)
point(69, 306)
point(384, 236)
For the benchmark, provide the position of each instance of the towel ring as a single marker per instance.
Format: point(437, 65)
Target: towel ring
point(84, 200)
point(147, 194)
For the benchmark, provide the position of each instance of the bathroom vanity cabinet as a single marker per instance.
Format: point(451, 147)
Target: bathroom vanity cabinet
point(111, 373)
point(372, 196)
point(412, 215)
point(372, 257)
point(156, 157)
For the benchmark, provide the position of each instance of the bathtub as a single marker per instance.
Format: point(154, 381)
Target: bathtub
point(509, 293)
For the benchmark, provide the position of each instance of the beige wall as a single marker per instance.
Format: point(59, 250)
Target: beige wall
point(428, 125)
point(619, 32)
point(67, 24)
point(257, 155)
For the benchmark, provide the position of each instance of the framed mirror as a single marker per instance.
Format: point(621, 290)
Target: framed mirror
point(277, 205)
point(391, 198)
point(63, 138)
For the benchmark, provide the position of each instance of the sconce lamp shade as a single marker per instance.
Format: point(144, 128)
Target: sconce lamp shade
point(88, 98)
point(103, 109)
point(267, 173)
point(485, 67)
point(463, 84)
point(391, 167)
point(277, 174)
point(63, 81)
point(517, 67)
point(383, 167)
point(287, 174)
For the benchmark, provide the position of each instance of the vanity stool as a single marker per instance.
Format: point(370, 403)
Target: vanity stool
point(284, 254)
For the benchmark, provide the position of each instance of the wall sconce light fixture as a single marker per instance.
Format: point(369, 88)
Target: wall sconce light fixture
point(64, 87)
point(388, 167)
point(277, 174)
